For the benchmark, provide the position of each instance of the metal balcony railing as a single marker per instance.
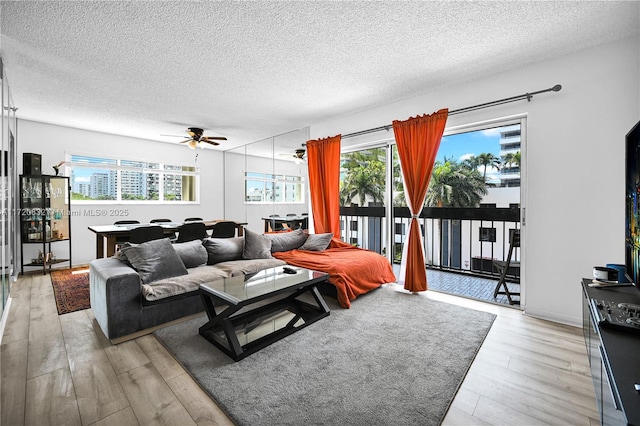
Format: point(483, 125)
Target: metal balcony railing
point(464, 240)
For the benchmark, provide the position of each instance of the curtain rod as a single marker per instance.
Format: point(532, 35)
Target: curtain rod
point(526, 96)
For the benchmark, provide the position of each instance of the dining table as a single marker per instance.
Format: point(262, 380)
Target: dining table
point(107, 235)
point(273, 223)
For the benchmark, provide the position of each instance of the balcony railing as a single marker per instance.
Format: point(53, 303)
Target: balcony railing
point(464, 240)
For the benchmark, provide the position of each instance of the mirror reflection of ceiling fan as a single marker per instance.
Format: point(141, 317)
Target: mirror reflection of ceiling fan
point(198, 139)
point(299, 155)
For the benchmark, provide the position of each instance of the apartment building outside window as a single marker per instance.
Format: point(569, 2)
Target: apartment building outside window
point(120, 180)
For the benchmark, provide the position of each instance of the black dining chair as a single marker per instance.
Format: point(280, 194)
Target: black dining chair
point(224, 229)
point(191, 231)
point(126, 222)
point(193, 219)
point(142, 234)
point(123, 239)
point(171, 236)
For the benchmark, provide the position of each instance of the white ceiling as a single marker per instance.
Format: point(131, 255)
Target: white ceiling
point(250, 70)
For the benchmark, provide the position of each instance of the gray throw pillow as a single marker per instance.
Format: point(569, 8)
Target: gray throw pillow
point(317, 242)
point(155, 260)
point(256, 246)
point(192, 253)
point(285, 241)
point(223, 249)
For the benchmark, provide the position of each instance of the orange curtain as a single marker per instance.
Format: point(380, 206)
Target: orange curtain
point(323, 160)
point(417, 140)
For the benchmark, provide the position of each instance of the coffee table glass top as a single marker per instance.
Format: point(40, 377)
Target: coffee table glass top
point(246, 287)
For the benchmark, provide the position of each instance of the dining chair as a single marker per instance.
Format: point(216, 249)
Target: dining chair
point(193, 219)
point(171, 236)
point(191, 231)
point(224, 229)
point(142, 234)
point(123, 239)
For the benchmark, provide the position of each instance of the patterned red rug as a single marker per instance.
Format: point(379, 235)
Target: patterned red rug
point(71, 289)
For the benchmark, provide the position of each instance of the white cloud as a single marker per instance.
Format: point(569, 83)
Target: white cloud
point(82, 179)
point(464, 157)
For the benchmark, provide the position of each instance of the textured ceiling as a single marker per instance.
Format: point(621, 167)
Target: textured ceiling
point(250, 70)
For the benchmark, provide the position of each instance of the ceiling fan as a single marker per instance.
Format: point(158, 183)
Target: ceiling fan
point(197, 138)
point(299, 155)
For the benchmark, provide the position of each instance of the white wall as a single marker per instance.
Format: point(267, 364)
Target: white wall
point(54, 142)
point(573, 160)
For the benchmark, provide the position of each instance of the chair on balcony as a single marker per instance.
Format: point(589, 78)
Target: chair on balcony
point(191, 231)
point(225, 229)
point(143, 234)
point(502, 266)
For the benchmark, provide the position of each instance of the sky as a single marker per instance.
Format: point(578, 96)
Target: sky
point(464, 145)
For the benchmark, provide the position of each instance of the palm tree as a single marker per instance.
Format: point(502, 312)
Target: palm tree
point(488, 159)
point(511, 159)
point(455, 185)
point(364, 178)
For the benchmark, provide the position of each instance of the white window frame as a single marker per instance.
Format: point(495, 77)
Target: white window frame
point(145, 170)
point(275, 179)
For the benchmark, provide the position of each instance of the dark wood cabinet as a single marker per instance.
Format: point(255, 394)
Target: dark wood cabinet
point(614, 357)
point(45, 221)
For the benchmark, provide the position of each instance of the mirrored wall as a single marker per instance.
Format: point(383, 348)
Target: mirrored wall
point(267, 179)
point(8, 189)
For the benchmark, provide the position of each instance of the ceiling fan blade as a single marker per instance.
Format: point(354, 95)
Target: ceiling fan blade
point(214, 138)
point(186, 140)
point(174, 136)
point(209, 142)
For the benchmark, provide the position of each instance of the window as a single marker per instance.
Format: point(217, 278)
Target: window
point(267, 188)
point(119, 180)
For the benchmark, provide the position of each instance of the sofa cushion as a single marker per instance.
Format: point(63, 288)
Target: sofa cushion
point(285, 241)
point(175, 286)
point(155, 260)
point(223, 249)
point(256, 246)
point(192, 253)
point(317, 242)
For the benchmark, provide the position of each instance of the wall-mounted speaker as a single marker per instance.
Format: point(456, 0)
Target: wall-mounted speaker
point(31, 164)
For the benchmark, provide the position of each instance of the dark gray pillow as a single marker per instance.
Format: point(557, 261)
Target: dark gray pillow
point(256, 246)
point(192, 253)
point(155, 260)
point(317, 242)
point(285, 241)
point(223, 249)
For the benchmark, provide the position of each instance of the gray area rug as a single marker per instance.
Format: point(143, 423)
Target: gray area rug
point(392, 359)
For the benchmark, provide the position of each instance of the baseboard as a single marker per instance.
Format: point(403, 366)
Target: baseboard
point(553, 316)
point(150, 330)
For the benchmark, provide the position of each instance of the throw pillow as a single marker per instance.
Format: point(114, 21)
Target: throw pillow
point(286, 241)
point(256, 246)
point(317, 242)
point(223, 249)
point(192, 253)
point(155, 260)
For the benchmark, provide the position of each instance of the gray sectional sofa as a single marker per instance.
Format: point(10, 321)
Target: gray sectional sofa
point(149, 284)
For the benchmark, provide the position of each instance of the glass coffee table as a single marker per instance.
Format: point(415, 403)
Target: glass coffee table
point(248, 313)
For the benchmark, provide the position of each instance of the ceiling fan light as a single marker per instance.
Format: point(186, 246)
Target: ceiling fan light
point(192, 144)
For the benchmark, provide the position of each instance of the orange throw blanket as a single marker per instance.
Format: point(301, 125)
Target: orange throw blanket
point(352, 270)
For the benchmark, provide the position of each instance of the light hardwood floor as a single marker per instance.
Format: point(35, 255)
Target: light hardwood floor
point(61, 370)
